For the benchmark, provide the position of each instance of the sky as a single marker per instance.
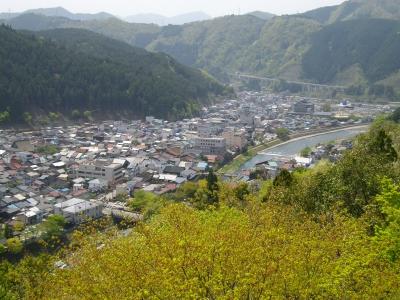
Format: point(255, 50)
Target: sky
point(170, 7)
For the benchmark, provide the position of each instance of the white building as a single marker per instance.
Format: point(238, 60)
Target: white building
point(101, 169)
point(210, 146)
point(30, 216)
point(78, 210)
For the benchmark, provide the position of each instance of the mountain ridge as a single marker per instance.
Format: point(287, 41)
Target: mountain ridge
point(261, 14)
point(356, 9)
point(59, 12)
point(161, 20)
point(271, 47)
point(43, 75)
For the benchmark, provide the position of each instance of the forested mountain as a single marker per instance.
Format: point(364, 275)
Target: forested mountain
point(371, 44)
point(279, 48)
point(37, 22)
point(163, 20)
point(261, 14)
point(285, 47)
point(139, 35)
point(217, 45)
point(8, 15)
point(38, 75)
point(59, 12)
point(357, 9)
point(100, 46)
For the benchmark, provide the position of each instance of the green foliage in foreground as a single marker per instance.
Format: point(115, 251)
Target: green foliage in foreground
point(264, 250)
point(53, 229)
point(389, 232)
point(330, 232)
point(395, 117)
point(146, 203)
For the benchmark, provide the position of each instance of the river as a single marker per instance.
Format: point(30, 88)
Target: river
point(294, 147)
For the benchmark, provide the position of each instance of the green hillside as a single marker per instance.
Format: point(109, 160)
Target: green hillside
point(223, 45)
point(371, 44)
point(286, 47)
point(36, 22)
point(100, 46)
point(38, 75)
point(279, 48)
point(357, 9)
point(135, 34)
point(321, 14)
point(217, 45)
point(261, 14)
point(139, 35)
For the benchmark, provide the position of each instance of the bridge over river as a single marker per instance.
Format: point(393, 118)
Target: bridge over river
point(307, 86)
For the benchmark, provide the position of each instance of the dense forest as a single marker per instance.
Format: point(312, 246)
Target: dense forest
point(329, 232)
point(373, 44)
point(285, 47)
point(38, 75)
point(356, 9)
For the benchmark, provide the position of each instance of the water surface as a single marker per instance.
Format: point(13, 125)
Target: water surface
point(292, 148)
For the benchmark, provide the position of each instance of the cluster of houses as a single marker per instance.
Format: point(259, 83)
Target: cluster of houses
point(77, 171)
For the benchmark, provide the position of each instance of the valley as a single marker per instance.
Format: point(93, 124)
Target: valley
point(198, 152)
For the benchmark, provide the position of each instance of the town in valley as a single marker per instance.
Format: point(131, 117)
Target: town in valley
point(90, 170)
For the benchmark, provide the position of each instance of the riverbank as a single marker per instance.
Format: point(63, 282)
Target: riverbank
point(241, 159)
point(295, 138)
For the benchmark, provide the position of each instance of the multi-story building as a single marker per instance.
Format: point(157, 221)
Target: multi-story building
point(304, 106)
point(77, 210)
point(210, 128)
point(209, 146)
point(100, 169)
point(235, 138)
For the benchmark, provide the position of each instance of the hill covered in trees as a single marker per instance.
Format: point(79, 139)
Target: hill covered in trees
point(84, 71)
point(365, 49)
point(356, 9)
point(284, 47)
point(59, 12)
point(329, 232)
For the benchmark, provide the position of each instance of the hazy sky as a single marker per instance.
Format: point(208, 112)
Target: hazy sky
point(170, 7)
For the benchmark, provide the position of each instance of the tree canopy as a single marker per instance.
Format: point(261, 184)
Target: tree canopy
point(329, 232)
point(38, 75)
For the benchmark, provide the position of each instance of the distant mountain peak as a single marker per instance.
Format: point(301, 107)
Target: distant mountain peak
point(161, 20)
point(50, 12)
point(59, 11)
point(356, 9)
point(261, 14)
